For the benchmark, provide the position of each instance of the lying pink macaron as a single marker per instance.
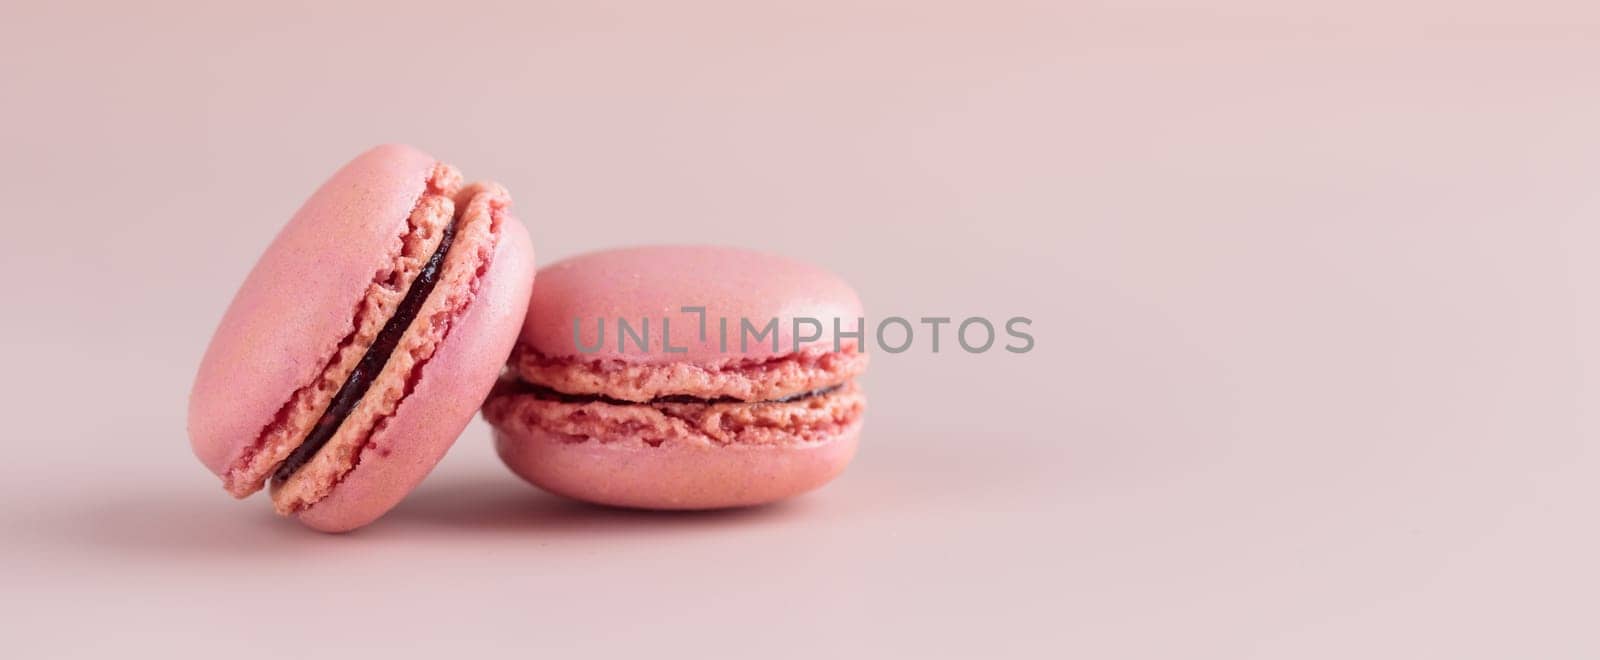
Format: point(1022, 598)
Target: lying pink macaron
point(364, 339)
point(636, 383)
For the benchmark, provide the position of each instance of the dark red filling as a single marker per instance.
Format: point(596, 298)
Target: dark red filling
point(549, 394)
point(371, 363)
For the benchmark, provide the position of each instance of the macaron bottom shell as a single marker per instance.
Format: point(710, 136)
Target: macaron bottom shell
point(674, 475)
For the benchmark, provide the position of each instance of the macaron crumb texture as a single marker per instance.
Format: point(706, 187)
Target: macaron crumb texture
point(702, 428)
point(458, 282)
point(747, 379)
point(314, 380)
point(424, 228)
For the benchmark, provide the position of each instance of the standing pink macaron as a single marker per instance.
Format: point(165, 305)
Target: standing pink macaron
point(363, 340)
point(683, 378)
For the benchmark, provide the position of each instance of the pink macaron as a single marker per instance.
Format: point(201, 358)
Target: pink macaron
point(683, 378)
point(364, 339)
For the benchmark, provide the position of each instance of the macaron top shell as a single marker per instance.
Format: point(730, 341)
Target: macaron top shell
point(295, 307)
point(652, 285)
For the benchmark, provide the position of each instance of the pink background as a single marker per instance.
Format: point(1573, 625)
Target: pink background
point(1314, 292)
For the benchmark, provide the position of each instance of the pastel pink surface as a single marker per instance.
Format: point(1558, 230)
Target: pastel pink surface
point(655, 282)
point(628, 473)
point(453, 385)
point(297, 303)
